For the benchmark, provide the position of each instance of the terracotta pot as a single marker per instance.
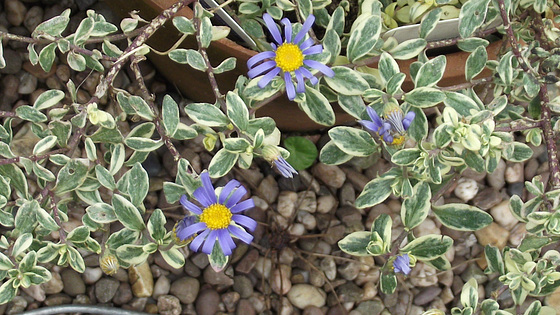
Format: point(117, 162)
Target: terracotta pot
point(194, 84)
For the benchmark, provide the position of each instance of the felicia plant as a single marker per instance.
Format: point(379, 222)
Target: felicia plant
point(289, 57)
point(218, 219)
point(74, 177)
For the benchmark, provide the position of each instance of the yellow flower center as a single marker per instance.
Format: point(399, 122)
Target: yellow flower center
point(289, 57)
point(398, 140)
point(216, 216)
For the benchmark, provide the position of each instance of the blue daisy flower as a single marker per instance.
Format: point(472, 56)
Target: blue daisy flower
point(288, 56)
point(218, 219)
point(402, 264)
point(377, 125)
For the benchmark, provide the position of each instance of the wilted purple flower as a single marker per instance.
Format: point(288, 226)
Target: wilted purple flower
point(284, 167)
point(399, 124)
point(402, 264)
point(288, 56)
point(377, 125)
point(218, 219)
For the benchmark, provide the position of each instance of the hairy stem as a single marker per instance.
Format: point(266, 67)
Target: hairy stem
point(546, 124)
point(136, 44)
point(220, 98)
point(148, 97)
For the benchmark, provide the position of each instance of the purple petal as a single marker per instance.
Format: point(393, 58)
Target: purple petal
point(268, 77)
point(189, 205)
point(229, 239)
point(200, 195)
point(210, 241)
point(195, 244)
point(369, 125)
point(224, 243)
point(317, 49)
point(319, 66)
point(285, 168)
point(290, 90)
point(305, 28)
point(272, 28)
point(406, 123)
point(242, 206)
point(190, 230)
point(402, 264)
point(236, 196)
point(208, 188)
point(241, 234)
point(262, 68)
point(386, 127)
point(387, 137)
point(226, 191)
point(306, 44)
point(260, 57)
point(245, 221)
point(309, 75)
point(408, 118)
point(374, 117)
point(287, 30)
point(300, 81)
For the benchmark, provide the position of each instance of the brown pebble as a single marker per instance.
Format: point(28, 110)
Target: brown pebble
point(15, 11)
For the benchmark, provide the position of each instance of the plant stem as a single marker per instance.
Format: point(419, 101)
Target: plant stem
point(220, 98)
point(519, 125)
point(398, 242)
point(150, 100)
point(30, 40)
point(136, 44)
point(549, 136)
point(71, 145)
point(445, 187)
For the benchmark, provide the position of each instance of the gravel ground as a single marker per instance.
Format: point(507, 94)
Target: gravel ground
point(296, 266)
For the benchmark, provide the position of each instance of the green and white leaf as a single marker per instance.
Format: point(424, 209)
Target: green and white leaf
point(462, 217)
point(352, 141)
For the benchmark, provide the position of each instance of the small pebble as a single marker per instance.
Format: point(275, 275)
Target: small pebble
point(426, 295)
point(514, 173)
point(423, 275)
point(303, 295)
point(105, 289)
point(161, 287)
point(243, 286)
point(207, 302)
point(496, 178)
point(331, 175)
point(287, 203)
point(15, 11)
point(216, 278)
point(168, 305)
point(281, 283)
point(503, 216)
point(33, 17)
point(73, 283)
point(493, 234)
point(124, 294)
point(307, 201)
point(92, 275)
point(466, 189)
point(268, 189)
point(141, 279)
point(54, 285)
point(186, 289)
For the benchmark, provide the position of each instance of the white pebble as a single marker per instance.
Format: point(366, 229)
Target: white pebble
point(503, 216)
point(514, 173)
point(287, 203)
point(466, 189)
